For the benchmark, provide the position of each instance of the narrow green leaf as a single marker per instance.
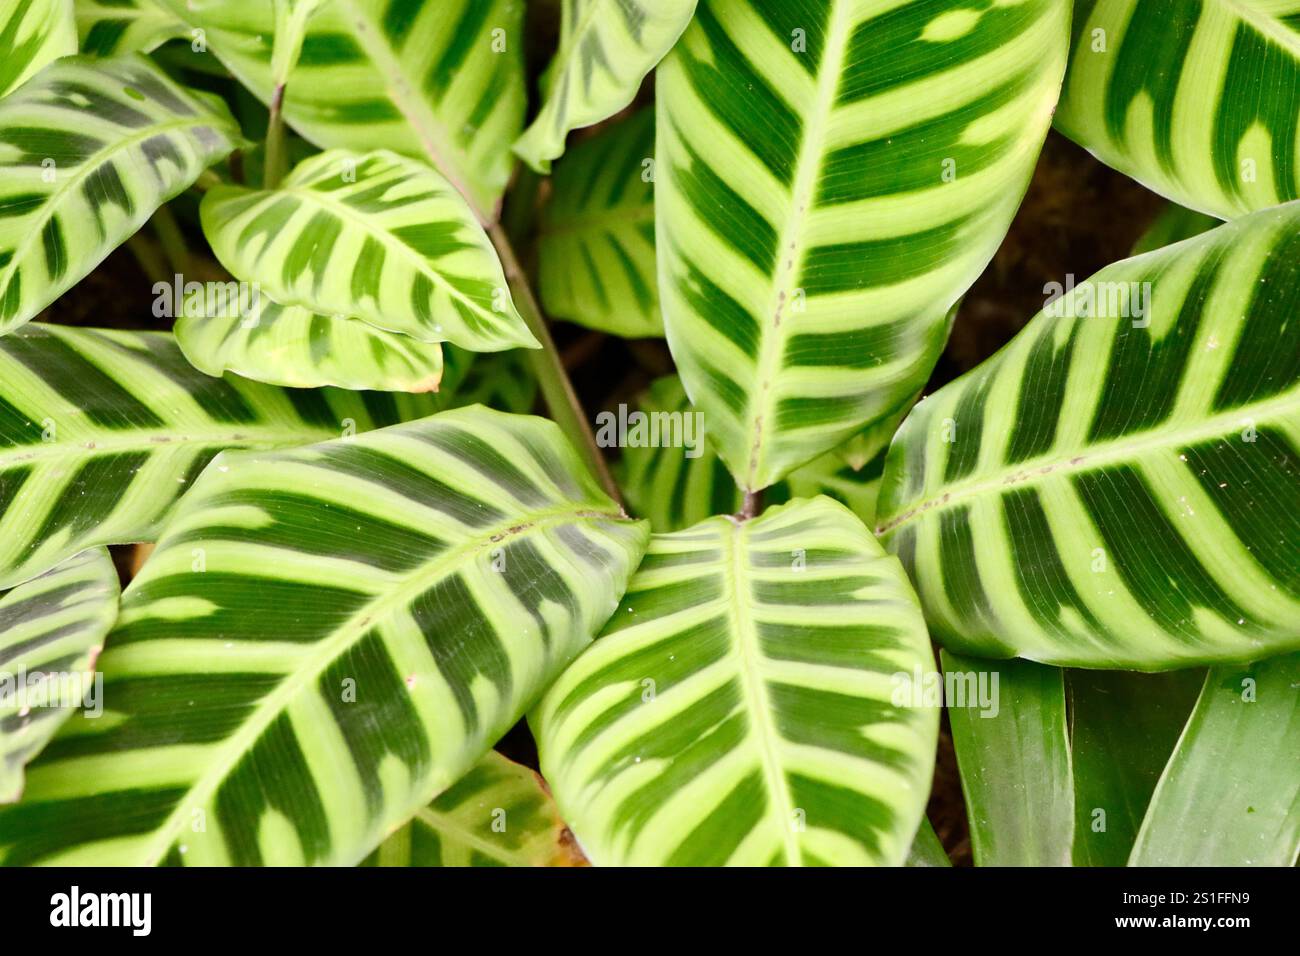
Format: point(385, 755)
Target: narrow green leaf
point(1118, 486)
point(439, 79)
point(1174, 224)
point(325, 639)
point(499, 814)
point(680, 482)
point(606, 50)
point(926, 848)
point(1123, 728)
point(376, 236)
point(51, 632)
point(89, 149)
point(739, 707)
point(1230, 795)
point(109, 27)
point(597, 243)
point(1013, 752)
point(1197, 101)
point(293, 346)
point(101, 431)
point(33, 33)
point(831, 177)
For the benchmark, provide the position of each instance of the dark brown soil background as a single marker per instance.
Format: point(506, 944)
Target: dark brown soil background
point(1078, 216)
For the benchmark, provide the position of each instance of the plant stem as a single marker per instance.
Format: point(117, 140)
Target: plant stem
point(275, 159)
point(172, 240)
point(553, 380)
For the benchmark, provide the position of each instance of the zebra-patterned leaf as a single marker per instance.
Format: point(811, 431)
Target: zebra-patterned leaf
point(51, 631)
point(325, 639)
point(376, 236)
point(88, 150)
point(293, 346)
point(1230, 794)
point(1118, 486)
point(32, 34)
point(503, 381)
point(101, 431)
point(438, 79)
point(740, 707)
point(1011, 737)
point(109, 27)
point(498, 814)
point(1199, 100)
point(831, 177)
point(676, 484)
point(606, 50)
point(597, 245)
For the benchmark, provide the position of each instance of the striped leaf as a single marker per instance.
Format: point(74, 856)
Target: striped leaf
point(832, 176)
point(503, 380)
point(675, 490)
point(1199, 100)
point(439, 79)
point(738, 708)
point(32, 34)
point(101, 431)
point(88, 150)
point(1123, 726)
point(109, 27)
point(325, 639)
point(1230, 794)
point(606, 50)
point(597, 245)
point(1013, 751)
point(1117, 487)
point(498, 814)
point(293, 346)
point(376, 236)
point(51, 631)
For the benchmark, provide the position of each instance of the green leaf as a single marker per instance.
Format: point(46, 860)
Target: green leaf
point(32, 34)
point(597, 244)
point(101, 431)
point(738, 708)
point(325, 639)
point(293, 346)
point(1230, 795)
point(499, 814)
point(439, 79)
point(52, 626)
point(926, 848)
point(1196, 101)
point(109, 27)
point(376, 236)
point(1174, 224)
point(1123, 728)
point(1118, 488)
point(89, 149)
point(677, 487)
point(1013, 752)
point(831, 178)
point(606, 50)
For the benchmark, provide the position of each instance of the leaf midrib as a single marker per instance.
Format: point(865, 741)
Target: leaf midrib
point(428, 128)
point(327, 651)
point(159, 441)
point(752, 684)
point(1091, 457)
point(446, 824)
point(791, 249)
